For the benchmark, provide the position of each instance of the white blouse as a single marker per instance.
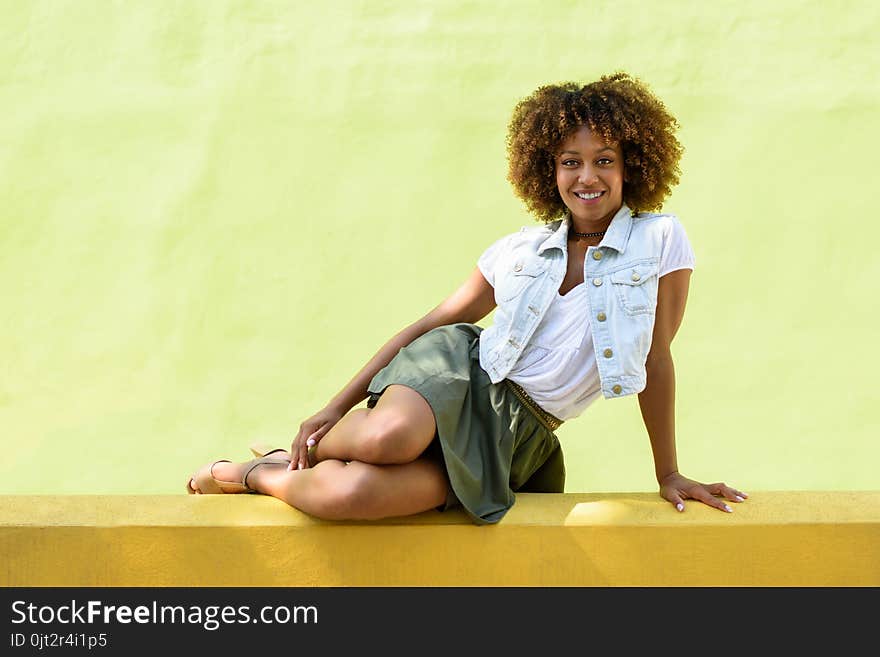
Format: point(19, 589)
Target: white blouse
point(557, 367)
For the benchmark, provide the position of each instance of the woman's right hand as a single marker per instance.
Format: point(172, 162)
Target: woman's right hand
point(310, 432)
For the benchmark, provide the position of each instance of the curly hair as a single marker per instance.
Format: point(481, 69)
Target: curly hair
point(617, 107)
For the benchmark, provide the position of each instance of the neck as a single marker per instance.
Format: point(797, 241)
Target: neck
point(592, 233)
point(576, 225)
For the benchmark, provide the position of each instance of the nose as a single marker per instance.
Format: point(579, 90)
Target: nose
point(587, 176)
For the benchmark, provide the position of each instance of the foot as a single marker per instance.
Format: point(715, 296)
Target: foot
point(229, 475)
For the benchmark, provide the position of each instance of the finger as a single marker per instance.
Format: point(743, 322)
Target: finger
point(302, 457)
point(294, 451)
point(727, 492)
point(315, 437)
point(734, 495)
point(703, 495)
point(676, 501)
point(299, 458)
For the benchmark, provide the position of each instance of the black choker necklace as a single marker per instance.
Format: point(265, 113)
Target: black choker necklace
point(596, 234)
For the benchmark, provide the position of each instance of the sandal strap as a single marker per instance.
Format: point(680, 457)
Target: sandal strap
point(257, 462)
point(206, 482)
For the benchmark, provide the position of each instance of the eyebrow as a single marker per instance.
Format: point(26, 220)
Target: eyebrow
point(604, 148)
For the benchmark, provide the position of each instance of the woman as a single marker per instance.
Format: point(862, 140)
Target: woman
point(587, 304)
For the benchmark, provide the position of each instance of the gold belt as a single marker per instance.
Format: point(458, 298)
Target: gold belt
point(550, 421)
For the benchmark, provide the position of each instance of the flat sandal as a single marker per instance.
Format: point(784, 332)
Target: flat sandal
point(208, 485)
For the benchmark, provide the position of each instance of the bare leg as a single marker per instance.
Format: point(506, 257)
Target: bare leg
point(396, 430)
point(349, 491)
point(357, 491)
point(385, 478)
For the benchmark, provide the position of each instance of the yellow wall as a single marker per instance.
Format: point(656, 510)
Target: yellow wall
point(613, 539)
point(213, 213)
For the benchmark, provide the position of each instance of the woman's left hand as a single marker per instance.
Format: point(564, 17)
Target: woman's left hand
point(676, 488)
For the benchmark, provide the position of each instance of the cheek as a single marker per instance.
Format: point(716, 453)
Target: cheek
point(565, 177)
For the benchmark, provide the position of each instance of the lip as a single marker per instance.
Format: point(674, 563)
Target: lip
point(591, 201)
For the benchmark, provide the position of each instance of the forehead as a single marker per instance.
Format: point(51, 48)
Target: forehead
point(584, 140)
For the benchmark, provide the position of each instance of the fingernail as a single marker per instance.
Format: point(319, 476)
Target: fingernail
point(300, 466)
point(289, 467)
point(740, 499)
point(310, 442)
point(744, 494)
point(728, 509)
point(679, 506)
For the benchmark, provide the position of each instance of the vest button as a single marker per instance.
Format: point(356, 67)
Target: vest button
point(597, 282)
point(601, 317)
point(608, 353)
point(617, 390)
point(635, 276)
point(518, 267)
point(597, 255)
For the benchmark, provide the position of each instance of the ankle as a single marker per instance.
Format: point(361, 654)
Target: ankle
point(256, 474)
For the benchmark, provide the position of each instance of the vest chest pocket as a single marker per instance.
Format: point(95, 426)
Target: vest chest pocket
point(636, 288)
point(516, 277)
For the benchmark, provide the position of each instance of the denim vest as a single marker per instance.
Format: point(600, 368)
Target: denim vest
point(621, 276)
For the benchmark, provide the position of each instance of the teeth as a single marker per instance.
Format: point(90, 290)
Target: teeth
point(587, 197)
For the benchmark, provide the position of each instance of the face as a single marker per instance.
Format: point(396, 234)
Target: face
point(589, 175)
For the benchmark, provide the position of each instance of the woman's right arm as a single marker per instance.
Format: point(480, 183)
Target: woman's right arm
point(471, 302)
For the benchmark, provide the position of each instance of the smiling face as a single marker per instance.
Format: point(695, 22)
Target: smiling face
point(589, 176)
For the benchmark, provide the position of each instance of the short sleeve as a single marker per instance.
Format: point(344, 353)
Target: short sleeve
point(489, 260)
point(677, 252)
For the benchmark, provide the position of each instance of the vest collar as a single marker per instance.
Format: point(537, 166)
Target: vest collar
point(616, 237)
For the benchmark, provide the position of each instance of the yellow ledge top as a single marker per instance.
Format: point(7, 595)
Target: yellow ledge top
point(564, 509)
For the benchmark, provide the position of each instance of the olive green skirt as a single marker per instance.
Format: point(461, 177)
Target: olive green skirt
point(490, 442)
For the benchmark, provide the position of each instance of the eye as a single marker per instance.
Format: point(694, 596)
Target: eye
point(569, 163)
point(604, 161)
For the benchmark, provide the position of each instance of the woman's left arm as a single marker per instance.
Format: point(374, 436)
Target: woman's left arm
point(657, 402)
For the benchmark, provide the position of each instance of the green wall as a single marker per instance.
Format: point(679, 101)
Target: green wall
point(213, 213)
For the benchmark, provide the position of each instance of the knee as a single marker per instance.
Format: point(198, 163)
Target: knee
point(347, 495)
point(389, 438)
